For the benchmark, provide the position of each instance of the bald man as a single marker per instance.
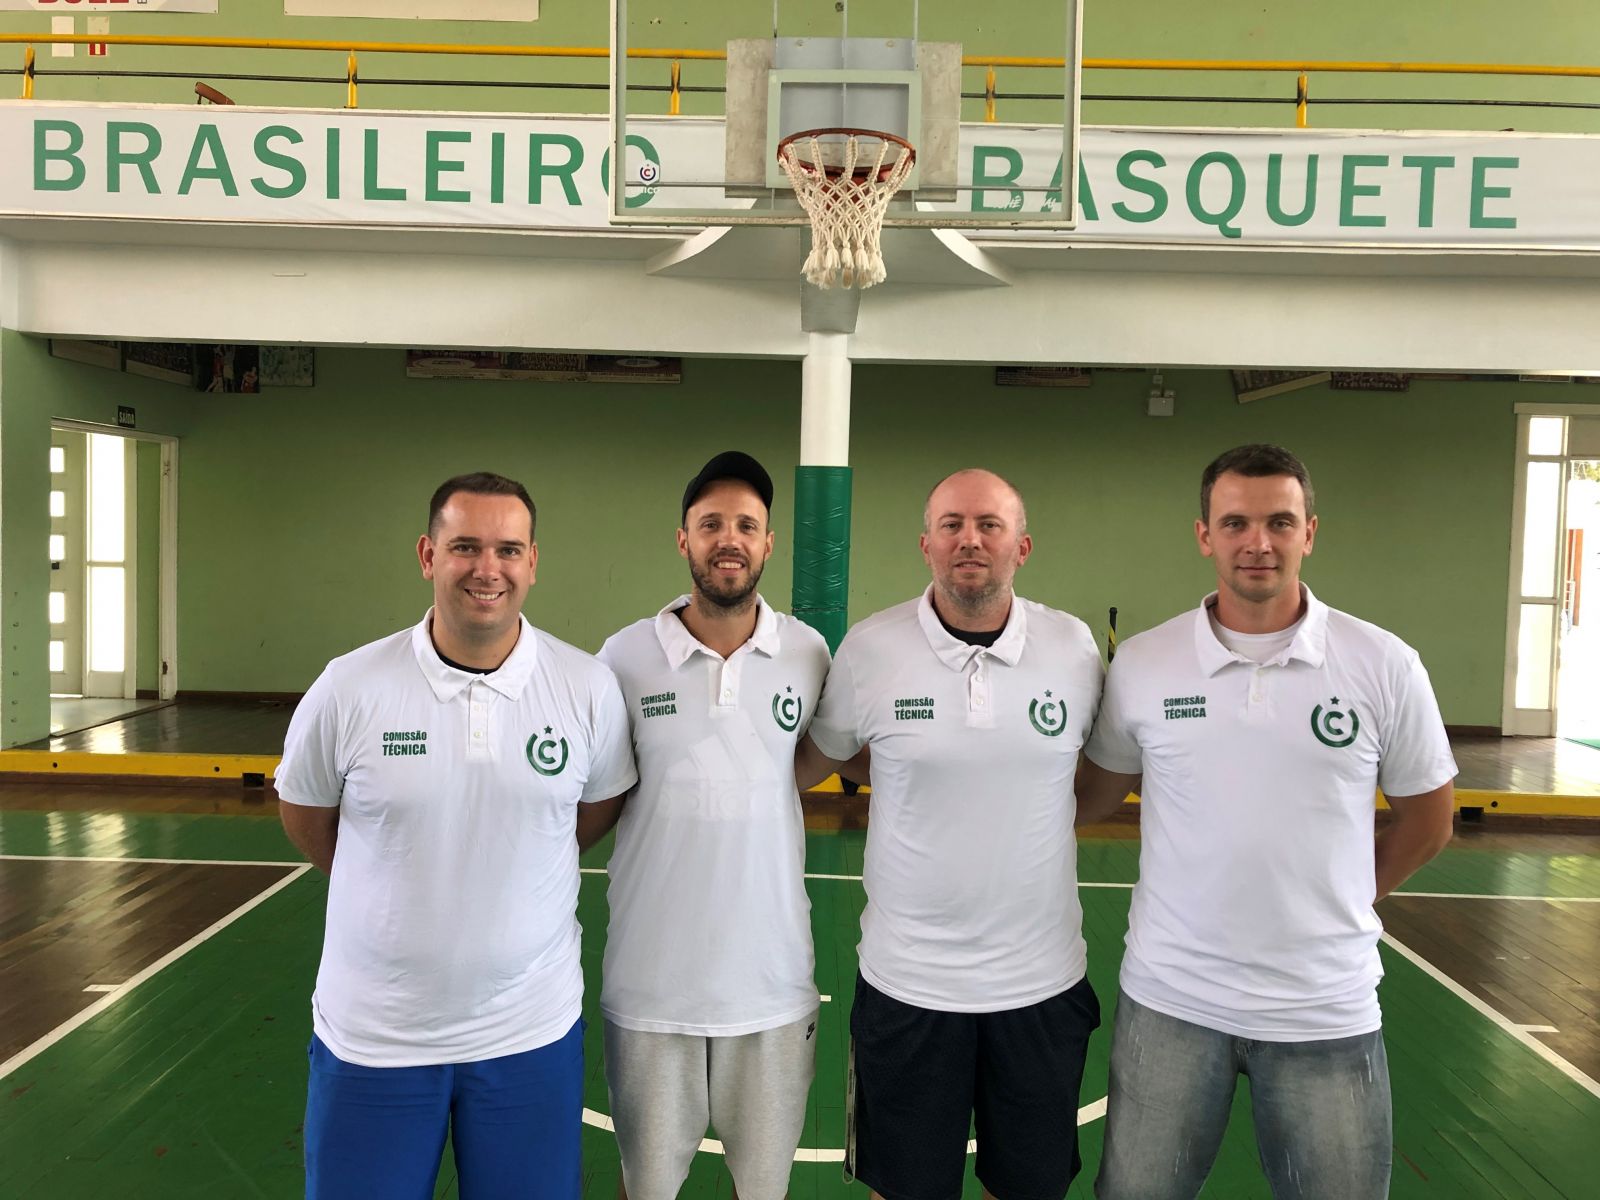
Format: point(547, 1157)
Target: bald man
point(971, 1003)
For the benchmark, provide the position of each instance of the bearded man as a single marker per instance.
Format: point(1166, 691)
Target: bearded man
point(709, 999)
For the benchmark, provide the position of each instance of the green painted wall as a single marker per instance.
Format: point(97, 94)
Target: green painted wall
point(1414, 494)
point(33, 389)
point(1543, 32)
point(300, 508)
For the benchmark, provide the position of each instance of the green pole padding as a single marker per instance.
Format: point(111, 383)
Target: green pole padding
point(822, 550)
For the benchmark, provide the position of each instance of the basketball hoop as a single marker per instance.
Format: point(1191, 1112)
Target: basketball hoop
point(844, 179)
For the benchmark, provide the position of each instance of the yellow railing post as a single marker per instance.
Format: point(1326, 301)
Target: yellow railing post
point(1301, 87)
point(350, 81)
point(27, 72)
point(988, 96)
point(674, 105)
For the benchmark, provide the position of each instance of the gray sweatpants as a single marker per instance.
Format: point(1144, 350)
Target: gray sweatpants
point(751, 1088)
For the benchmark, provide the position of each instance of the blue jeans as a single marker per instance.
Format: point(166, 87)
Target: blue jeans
point(378, 1131)
point(1322, 1110)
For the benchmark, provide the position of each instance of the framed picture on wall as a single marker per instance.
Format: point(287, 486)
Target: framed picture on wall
point(1258, 385)
point(96, 354)
point(1043, 376)
point(288, 366)
point(225, 368)
point(542, 366)
point(1370, 381)
point(171, 362)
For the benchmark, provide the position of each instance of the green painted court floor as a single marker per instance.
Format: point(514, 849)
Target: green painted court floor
point(192, 1084)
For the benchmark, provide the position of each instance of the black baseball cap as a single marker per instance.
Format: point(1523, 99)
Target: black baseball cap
point(730, 464)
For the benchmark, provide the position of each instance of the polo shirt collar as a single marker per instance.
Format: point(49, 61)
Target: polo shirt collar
point(956, 654)
point(679, 645)
point(448, 682)
point(1309, 644)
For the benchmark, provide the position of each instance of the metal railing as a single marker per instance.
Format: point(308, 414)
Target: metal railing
point(674, 88)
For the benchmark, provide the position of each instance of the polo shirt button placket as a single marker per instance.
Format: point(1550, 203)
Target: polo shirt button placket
point(978, 709)
point(477, 721)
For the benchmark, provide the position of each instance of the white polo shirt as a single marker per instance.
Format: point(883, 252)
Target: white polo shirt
point(710, 923)
point(452, 933)
point(971, 862)
point(1253, 912)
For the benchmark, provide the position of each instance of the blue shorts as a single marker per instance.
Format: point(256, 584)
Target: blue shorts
point(515, 1123)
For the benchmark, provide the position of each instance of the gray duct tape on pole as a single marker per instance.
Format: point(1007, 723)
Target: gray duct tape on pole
point(822, 550)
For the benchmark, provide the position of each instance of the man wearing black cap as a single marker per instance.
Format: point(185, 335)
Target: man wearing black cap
point(709, 1001)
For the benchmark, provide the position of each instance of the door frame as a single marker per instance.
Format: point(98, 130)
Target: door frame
point(167, 574)
point(1535, 722)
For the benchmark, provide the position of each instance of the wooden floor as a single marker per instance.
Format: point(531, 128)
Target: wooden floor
point(187, 727)
point(72, 714)
point(1546, 765)
point(187, 1079)
point(72, 930)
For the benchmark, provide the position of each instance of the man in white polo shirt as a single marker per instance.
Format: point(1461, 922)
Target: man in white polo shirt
point(709, 1001)
point(971, 1003)
point(1256, 730)
point(444, 778)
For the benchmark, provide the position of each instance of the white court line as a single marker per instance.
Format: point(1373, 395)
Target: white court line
point(166, 960)
point(1538, 1029)
point(102, 987)
point(170, 862)
point(1516, 1031)
point(264, 862)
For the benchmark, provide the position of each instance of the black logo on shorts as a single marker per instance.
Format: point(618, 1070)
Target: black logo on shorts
point(810, 1029)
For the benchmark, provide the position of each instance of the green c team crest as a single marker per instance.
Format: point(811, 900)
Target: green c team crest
point(786, 709)
point(1329, 724)
point(547, 752)
point(1048, 715)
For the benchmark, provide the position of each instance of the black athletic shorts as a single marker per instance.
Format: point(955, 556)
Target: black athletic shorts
point(921, 1079)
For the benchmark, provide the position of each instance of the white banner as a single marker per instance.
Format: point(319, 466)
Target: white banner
point(1223, 188)
point(109, 6)
point(428, 10)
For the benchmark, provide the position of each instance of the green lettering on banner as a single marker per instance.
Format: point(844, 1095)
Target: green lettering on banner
point(207, 139)
point(44, 155)
point(1349, 189)
point(651, 154)
point(1086, 208)
point(497, 168)
point(268, 157)
point(437, 166)
point(1481, 192)
point(1142, 185)
point(332, 161)
point(1275, 209)
point(117, 158)
point(372, 189)
point(1222, 217)
point(982, 156)
point(1427, 167)
point(537, 168)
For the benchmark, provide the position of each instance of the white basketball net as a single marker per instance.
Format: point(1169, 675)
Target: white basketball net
point(845, 187)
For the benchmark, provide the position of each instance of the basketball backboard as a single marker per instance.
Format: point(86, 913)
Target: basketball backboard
point(700, 103)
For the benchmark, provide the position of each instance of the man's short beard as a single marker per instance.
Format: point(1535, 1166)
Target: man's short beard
point(971, 600)
point(706, 589)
